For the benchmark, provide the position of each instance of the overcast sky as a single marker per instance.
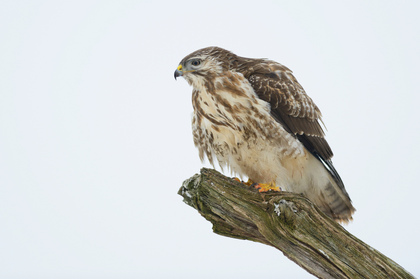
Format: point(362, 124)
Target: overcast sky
point(95, 134)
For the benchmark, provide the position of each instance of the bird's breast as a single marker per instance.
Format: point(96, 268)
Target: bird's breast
point(230, 120)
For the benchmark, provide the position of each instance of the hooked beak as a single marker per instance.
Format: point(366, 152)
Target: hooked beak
point(178, 72)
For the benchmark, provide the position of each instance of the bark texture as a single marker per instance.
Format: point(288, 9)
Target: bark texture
point(288, 222)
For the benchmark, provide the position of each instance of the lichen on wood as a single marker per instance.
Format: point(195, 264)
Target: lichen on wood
point(288, 222)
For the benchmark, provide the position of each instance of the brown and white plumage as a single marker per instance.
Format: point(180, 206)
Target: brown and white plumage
point(253, 116)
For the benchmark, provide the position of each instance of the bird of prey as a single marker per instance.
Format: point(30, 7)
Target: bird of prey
point(254, 117)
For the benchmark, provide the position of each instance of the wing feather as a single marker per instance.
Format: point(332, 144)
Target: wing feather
point(291, 106)
point(294, 109)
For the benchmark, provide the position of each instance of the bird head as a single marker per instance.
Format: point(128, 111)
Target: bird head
point(201, 64)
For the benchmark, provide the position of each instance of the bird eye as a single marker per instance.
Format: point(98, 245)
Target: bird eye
point(196, 62)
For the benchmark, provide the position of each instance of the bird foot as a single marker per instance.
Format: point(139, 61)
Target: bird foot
point(248, 183)
point(262, 187)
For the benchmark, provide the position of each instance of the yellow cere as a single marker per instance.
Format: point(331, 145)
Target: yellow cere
point(179, 67)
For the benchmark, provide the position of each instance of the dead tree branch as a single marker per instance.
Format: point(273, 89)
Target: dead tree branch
point(288, 222)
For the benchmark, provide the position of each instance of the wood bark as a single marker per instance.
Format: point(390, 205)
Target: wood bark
point(288, 222)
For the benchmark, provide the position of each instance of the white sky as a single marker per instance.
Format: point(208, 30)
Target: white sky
point(95, 134)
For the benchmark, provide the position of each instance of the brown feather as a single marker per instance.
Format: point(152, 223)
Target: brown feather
point(250, 113)
point(293, 108)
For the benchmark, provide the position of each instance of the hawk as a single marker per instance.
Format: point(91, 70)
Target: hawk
point(254, 117)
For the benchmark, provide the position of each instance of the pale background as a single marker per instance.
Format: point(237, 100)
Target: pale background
point(95, 136)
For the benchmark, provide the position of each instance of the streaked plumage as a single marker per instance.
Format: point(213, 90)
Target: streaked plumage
point(253, 116)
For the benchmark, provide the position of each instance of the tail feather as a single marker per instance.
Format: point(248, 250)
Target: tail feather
point(336, 203)
point(328, 191)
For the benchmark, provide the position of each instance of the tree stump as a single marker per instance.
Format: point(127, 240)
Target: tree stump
point(288, 222)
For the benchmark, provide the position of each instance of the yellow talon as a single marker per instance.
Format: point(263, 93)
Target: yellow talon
point(262, 187)
point(249, 182)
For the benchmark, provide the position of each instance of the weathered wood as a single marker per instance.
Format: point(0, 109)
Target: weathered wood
point(288, 222)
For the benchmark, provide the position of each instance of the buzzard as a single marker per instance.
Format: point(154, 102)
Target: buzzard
point(254, 117)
